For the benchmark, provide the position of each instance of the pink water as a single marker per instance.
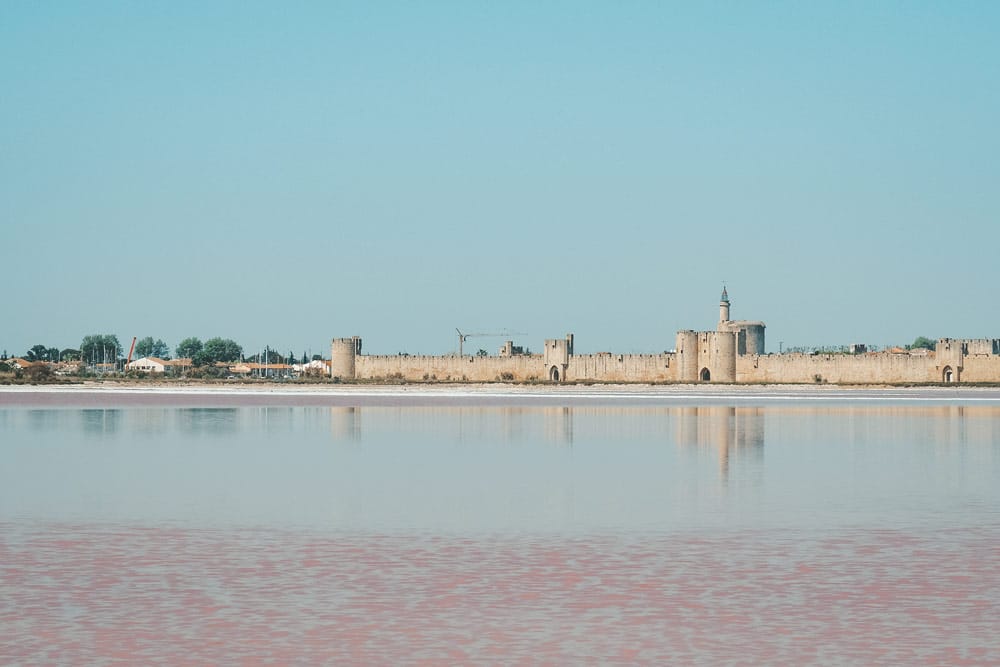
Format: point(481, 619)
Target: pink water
point(857, 532)
point(90, 594)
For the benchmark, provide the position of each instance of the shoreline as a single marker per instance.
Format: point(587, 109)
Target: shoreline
point(202, 394)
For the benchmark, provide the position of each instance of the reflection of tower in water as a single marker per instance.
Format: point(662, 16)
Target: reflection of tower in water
point(559, 425)
point(345, 423)
point(737, 434)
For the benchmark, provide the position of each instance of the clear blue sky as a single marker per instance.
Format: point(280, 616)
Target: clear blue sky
point(284, 174)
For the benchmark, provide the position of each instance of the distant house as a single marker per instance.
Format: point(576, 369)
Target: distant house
point(269, 370)
point(157, 365)
point(148, 365)
point(314, 366)
point(24, 364)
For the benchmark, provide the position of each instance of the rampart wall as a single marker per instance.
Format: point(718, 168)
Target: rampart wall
point(837, 368)
point(980, 368)
point(518, 368)
point(608, 367)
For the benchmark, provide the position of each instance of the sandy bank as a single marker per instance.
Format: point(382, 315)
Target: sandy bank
point(108, 394)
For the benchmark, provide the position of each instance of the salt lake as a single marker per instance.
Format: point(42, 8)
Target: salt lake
point(493, 526)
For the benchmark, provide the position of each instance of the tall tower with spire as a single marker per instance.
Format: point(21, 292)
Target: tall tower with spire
point(724, 306)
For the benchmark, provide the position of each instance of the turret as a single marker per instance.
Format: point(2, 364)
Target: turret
point(724, 306)
point(343, 352)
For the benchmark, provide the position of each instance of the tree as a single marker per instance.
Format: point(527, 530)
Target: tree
point(53, 354)
point(37, 353)
point(160, 349)
point(925, 343)
point(69, 354)
point(188, 348)
point(144, 347)
point(147, 347)
point(218, 349)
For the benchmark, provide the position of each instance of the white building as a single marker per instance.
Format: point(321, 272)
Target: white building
point(156, 365)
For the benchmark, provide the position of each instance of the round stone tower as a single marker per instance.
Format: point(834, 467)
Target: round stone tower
point(724, 306)
point(725, 357)
point(342, 354)
point(687, 356)
point(754, 337)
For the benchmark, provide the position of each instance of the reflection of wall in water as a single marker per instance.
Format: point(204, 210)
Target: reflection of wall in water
point(737, 434)
point(457, 424)
point(938, 425)
point(559, 425)
point(345, 423)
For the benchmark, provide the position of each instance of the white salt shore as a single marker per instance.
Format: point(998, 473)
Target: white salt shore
point(475, 394)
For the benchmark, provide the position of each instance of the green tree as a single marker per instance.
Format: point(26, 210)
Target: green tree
point(69, 354)
point(53, 354)
point(160, 349)
point(147, 347)
point(144, 347)
point(221, 349)
point(925, 343)
point(188, 348)
point(37, 353)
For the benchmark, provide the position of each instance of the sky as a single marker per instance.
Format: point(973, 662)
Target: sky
point(282, 175)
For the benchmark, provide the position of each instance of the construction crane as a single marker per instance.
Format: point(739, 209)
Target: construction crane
point(462, 337)
point(130, 351)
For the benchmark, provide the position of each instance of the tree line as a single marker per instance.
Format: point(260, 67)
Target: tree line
point(103, 349)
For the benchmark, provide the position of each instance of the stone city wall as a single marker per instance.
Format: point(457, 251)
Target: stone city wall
point(837, 368)
point(518, 368)
point(979, 368)
point(608, 367)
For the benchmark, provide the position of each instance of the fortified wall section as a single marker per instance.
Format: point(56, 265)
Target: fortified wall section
point(608, 367)
point(750, 335)
point(519, 368)
point(706, 356)
point(834, 368)
point(979, 368)
point(733, 353)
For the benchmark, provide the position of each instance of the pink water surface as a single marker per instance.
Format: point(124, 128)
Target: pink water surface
point(77, 594)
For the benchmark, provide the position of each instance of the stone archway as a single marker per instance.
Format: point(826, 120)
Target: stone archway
point(948, 375)
point(706, 375)
point(554, 374)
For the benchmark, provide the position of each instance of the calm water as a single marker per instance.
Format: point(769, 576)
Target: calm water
point(855, 532)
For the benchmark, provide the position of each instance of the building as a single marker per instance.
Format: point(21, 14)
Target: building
point(157, 365)
point(733, 353)
point(23, 364)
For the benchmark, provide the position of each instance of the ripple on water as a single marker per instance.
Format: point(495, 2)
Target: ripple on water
point(82, 594)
